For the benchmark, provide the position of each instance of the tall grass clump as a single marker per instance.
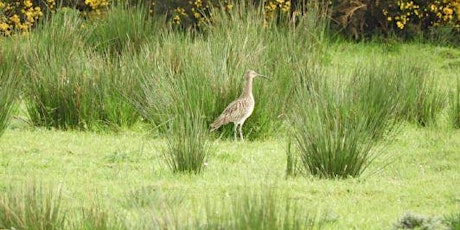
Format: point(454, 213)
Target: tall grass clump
point(328, 137)
point(423, 99)
point(10, 76)
point(236, 42)
point(337, 123)
point(31, 207)
point(259, 210)
point(239, 40)
point(70, 87)
point(173, 97)
point(374, 92)
point(123, 27)
point(454, 113)
point(56, 69)
point(212, 65)
point(187, 147)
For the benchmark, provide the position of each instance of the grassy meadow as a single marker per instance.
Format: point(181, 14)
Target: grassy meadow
point(105, 126)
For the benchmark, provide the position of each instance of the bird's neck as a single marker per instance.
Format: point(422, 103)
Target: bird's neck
point(247, 90)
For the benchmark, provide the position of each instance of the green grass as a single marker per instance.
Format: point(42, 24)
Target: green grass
point(454, 109)
point(32, 207)
point(70, 86)
point(125, 175)
point(178, 82)
point(10, 78)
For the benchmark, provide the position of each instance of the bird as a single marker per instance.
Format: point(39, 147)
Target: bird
point(240, 109)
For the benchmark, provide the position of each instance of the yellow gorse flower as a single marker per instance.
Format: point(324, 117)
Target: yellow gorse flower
point(442, 11)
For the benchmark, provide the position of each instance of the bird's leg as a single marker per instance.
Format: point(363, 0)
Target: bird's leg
point(234, 131)
point(241, 132)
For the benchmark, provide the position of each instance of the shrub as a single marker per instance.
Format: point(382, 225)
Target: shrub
point(19, 16)
point(365, 18)
point(423, 14)
point(22, 16)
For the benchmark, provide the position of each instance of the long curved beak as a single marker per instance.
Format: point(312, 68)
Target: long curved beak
point(263, 76)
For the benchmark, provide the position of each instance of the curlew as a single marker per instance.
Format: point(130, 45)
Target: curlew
point(240, 109)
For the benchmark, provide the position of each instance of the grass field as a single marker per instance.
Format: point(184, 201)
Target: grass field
point(125, 174)
point(124, 182)
point(96, 122)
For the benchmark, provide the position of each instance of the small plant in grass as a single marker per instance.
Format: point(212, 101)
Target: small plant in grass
point(453, 221)
point(95, 217)
point(31, 207)
point(151, 196)
point(259, 210)
point(430, 102)
point(416, 221)
point(455, 106)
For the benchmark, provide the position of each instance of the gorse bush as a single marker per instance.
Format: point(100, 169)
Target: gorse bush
point(423, 14)
point(19, 16)
point(406, 18)
point(356, 19)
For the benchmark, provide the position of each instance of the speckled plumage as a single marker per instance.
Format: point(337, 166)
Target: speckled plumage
point(240, 109)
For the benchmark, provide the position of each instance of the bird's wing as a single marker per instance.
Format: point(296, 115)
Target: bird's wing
point(232, 108)
point(234, 111)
